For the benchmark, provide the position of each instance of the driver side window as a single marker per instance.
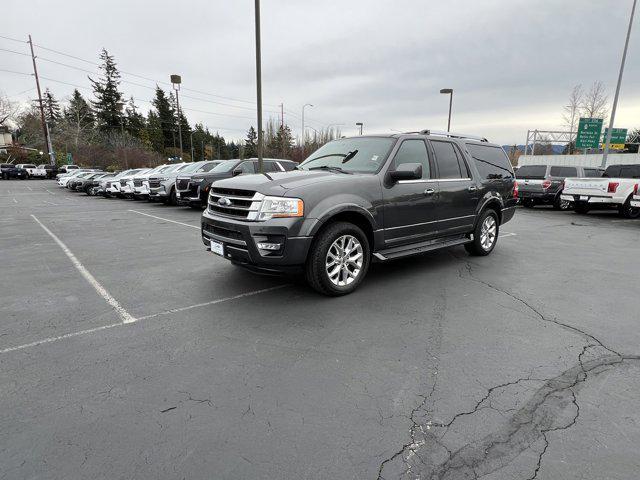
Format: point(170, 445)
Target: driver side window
point(246, 167)
point(413, 151)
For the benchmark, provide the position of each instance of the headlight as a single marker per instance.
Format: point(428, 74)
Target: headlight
point(279, 207)
point(163, 179)
point(197, 180)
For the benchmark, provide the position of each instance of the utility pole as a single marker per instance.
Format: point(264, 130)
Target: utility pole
point(191, 141)
point(45, 126)
point(282, 115)
point(259, 85)
point(612, 120)
point(359, 124)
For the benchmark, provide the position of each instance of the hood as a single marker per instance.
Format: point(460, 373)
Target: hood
point(281, 182)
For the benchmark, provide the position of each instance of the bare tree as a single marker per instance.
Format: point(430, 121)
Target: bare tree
point(8, 110)
point(571, 113)
point(595, 103)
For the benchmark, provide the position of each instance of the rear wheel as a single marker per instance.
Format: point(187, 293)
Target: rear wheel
point(581, 208)
point(485, 235)
point(560, 204)
point(338, 260)
point(627, 211)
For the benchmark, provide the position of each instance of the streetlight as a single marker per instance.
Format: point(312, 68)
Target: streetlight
point(302, 139)
point(359, 124)
point(448, 91)
point(258, 84)
point(607, 144)
point(176, 80)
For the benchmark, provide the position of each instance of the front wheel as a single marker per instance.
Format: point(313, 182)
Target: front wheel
point(627, 211)
point(338, 260)
point(485, 235)
point(560, 204)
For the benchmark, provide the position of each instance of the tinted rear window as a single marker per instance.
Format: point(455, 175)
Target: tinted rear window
point(563, 172)
point(630, 171)
point(492, 162)
point(592, 172)
point(533, 171)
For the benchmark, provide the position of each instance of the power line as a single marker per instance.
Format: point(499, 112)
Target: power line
point(13, 39)
point(13, 71)
point(13, 51)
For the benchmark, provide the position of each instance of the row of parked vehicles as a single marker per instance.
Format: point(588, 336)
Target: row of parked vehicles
point(582, 189)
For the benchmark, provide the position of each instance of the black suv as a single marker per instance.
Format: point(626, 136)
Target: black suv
point(194, 190)
point(11, 171)
point(361, 199)
point(543, 184)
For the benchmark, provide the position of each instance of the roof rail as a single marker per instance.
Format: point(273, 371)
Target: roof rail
point(451, 135)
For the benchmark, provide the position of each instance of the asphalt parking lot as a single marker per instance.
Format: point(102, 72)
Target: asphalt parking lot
point(128, 351)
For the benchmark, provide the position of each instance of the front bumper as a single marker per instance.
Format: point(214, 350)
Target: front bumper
point(635, 202)
point(190, 196)
point(240, 239)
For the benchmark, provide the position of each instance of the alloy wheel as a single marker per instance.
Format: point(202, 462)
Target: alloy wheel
point(344, 260)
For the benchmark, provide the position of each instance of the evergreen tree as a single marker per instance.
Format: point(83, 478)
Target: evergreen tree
point(251, 143)
point(135, 121)
point(107, 96)
point(79, 112)
point(51, 108)
point(166, 117)
point(284, 141)
point(154, 132)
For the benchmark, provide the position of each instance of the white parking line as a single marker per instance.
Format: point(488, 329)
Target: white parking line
point(51, 203)
point(166, 219)
point(15, 201)
point(49, 191)
point(30, 189)
point(508, 234)
point(122, 313)
point(121, 324)
point(212, 302)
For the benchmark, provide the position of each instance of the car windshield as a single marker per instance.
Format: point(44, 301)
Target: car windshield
point(207, 167)
point(190, 167)
point(225, 166)
point(358, 155)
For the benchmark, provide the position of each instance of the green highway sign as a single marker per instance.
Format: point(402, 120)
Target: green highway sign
point(589, 132)
point(618, 138)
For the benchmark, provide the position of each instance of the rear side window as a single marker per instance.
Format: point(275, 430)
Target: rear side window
point(630, 171)
point(612, 172)
point(270, 166)
point(592, 172)
point(491, 161)
point(246, 167)
point(563, 172)
point(288, 166)
point(536, 172)
point(448, 161)
point(413, 151)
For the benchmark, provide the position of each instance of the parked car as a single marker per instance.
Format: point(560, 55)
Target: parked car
point(361, 199)
point(115, 185)
point(92, 186)
point(141, 181)
point(66, 178)
point(614, 190)
point(198, 191)
point(188, 190)
point(542, 184)
point(52, 170)
point(82, 183)
point(635, 201)
point(162, 186)
point(32, 170)
point(77, 180)
point(68, 168)
point(126, 182)
point(12, 171)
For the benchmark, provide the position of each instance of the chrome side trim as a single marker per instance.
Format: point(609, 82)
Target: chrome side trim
point(427, 223)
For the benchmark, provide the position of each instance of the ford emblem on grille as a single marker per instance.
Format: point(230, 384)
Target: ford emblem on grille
point(224, 201)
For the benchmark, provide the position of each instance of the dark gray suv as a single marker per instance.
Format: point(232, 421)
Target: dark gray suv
point(360, 199)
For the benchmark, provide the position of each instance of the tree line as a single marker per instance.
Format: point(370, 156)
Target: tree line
point(108, 130)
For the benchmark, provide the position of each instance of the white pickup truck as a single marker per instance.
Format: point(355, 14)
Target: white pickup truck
point(614, 190)
point(32, 170)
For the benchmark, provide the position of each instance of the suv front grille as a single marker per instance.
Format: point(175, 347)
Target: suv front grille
point(123, 183)
point(182, 184)
point(154, 183)
point(243, 204)
point(137, 182)
point(222, 232)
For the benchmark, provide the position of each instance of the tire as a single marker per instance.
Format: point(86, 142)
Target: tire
point(581, 208)
point(485, 235)
point(171, 199)
point(562, 205)
point(528, 203)
point(627, 211)
point(350, 274)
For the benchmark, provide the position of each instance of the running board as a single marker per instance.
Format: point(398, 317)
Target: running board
point(416, 248)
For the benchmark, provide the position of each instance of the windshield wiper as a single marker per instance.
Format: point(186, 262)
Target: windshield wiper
point(330, 168)
point(349, 156)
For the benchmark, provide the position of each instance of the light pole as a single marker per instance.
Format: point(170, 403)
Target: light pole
point(120, 106)
point(302, 139)
point(448, 91)
point(607, 144)
point(359, 124)
point(176, 80)
point(258, 84)
point(191, 141)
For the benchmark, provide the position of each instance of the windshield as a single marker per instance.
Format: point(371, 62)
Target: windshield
point(362, 154)
point(224, 166)
point(207, 167)
point(190, 167)
point(535, 172)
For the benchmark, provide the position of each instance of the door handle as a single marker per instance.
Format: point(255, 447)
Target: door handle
point(472, 188)
point(429, 191)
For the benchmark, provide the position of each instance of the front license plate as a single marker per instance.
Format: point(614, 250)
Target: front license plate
point(584, 198)
point(217, 248)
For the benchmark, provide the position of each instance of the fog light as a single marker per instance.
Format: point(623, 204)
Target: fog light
point(269, 246)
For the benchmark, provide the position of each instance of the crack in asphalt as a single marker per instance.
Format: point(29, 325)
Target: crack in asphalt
point(538, 417)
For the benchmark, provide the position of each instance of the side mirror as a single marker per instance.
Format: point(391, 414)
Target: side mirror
point(237, 172)
point(407, 171)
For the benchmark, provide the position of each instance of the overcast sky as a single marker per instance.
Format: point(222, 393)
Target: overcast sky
point(511, 63)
